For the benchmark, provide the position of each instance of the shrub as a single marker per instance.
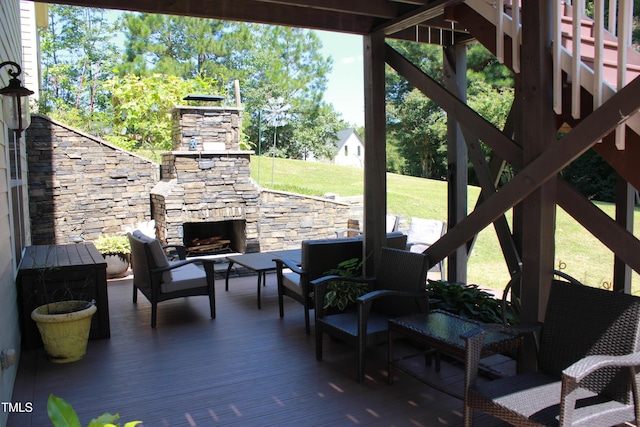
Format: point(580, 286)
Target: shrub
point(112, 244)
point(467, 300)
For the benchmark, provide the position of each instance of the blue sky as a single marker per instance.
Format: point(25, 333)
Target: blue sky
point(345, 89)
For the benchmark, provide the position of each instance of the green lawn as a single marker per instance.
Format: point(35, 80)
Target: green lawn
point(577, 251)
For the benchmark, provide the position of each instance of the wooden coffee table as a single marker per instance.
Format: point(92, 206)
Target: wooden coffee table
point(440, 331)
point(261, 263)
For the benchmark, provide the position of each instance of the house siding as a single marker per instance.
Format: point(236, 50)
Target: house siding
point(30, 48)
point(351, 153)
point(10, 50)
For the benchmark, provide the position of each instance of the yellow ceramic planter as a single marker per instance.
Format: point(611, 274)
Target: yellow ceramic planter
point(64, 328)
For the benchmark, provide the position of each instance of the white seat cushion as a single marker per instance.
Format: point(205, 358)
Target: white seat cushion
point(292, 281)
point(185, 277)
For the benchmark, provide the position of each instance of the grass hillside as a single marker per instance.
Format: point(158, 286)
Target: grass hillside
point(577, 251)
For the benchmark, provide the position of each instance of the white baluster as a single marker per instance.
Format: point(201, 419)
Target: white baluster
point(578, 11)
point(500, 31)
point(515, 35)
point(598, 59)
point(557, 52)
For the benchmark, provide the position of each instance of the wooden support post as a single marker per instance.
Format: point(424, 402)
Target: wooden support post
point(455, 79)
point(625, 197)
point(375, 158)
point(539, 131)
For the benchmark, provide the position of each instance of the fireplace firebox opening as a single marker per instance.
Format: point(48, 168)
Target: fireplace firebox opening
point(211, 238)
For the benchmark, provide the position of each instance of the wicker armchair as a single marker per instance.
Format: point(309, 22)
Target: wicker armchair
point(398, 289)
point(318, 257)
point(159, 279)
point(588, 362)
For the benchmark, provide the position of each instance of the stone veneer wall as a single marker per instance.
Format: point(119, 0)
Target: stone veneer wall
point(212, 128)
point(286, 219)
point(80, 185)
point(202, 187)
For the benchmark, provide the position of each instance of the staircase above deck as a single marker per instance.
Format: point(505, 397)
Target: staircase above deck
point(597, 71)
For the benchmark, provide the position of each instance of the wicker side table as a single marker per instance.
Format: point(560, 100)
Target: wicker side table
point(440, 332)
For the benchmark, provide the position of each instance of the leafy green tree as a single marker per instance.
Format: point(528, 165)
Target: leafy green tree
point(142, 105)
point(268, 61)
point(172, 45)
point(417, 127)
point(592, 176)
point(420, 132)
point(191, 55)
point(78, 54)
point(286, 62)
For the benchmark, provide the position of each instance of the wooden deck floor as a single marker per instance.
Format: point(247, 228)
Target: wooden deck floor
point(247, 367)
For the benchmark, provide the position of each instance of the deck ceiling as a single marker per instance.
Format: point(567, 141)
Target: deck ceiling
point(403, 19)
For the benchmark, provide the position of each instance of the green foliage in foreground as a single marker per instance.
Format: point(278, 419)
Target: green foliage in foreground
point(62, 414)
point(578, 253)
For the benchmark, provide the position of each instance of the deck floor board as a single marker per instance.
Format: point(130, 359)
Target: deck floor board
point(247, 367)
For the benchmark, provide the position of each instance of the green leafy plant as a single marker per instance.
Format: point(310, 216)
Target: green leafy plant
point(340, 294)
point(467, 300)
point(62, 414)
point(112, 244)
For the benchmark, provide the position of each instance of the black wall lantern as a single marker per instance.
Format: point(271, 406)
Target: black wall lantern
point(15, 101)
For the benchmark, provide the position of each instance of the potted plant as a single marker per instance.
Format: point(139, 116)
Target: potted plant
point(64, 320)
point(342, 295)
point(64, 328)
point(116, 251)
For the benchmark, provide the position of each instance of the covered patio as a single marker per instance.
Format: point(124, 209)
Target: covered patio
point(553, 94)
point(247, 367)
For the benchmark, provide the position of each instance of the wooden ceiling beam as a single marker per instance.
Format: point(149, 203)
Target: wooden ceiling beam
point(378, 8)
point(413, 2)
point(241, 10)
point(411, 19)
point(432, 35)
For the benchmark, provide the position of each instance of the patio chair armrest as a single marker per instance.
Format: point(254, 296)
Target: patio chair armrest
point(205, 262)
point(365, 302)
point(287, 263)
point(341, 278)
point(373, 295)
point(587, 365)
point(180, 250)
point(474, 341)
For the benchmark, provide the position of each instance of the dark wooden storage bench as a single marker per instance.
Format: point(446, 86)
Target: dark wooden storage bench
point(75, 271)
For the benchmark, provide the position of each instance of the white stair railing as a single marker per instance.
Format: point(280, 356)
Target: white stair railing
point(592, 78)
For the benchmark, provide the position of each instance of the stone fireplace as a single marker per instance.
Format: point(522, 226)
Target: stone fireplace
point(206, 196)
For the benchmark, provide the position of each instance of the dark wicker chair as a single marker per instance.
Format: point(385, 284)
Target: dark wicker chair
point(398, 289)
point(588, 362)
point(318, 257)
point(159, 279)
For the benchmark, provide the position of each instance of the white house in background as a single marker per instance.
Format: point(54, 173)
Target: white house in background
point(350, 149)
